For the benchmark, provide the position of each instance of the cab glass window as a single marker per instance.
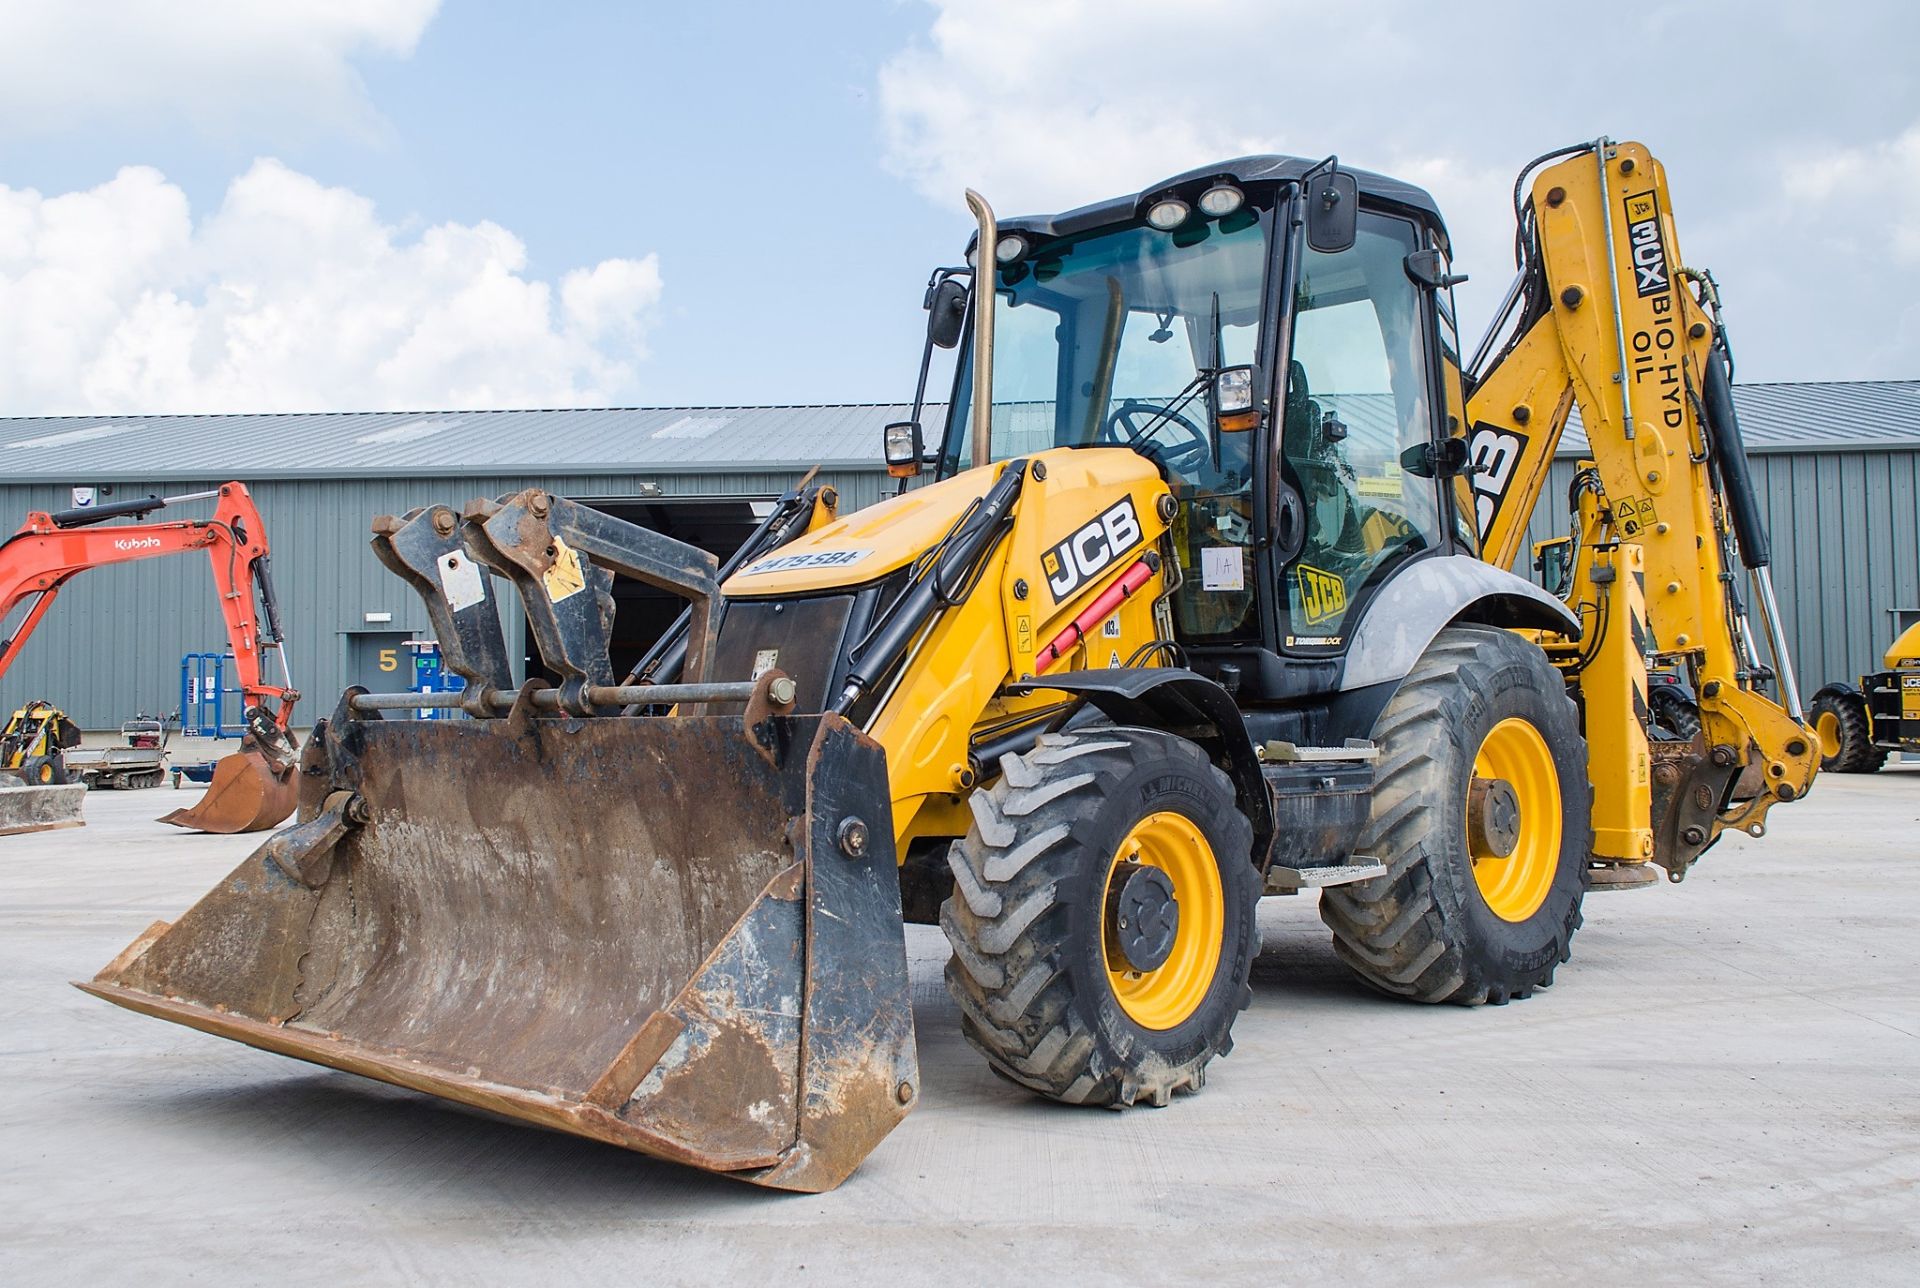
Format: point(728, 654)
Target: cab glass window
point(1357, 397)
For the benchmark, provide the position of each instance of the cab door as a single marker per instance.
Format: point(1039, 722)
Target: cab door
point(1359, 391)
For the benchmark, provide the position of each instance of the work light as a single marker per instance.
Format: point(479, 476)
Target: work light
point(1168, 214)
point(1221, 199)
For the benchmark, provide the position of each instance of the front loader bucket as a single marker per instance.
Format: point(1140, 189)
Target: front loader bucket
point(248, 793)
point(681, 936)
point(39, 808)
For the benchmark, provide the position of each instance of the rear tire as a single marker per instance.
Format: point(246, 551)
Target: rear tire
point(1428, 929)
point(1675, 712)
point(1846, 732)
point(1033, 963)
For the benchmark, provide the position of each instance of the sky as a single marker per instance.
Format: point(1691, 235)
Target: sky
point(231, 206)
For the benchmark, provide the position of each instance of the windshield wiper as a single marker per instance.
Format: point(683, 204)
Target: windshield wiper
point(1217, 352)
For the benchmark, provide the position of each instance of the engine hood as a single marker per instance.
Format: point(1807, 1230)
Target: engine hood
point(864, 546)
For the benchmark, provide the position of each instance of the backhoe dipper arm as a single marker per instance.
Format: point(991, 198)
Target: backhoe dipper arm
point(1607, 317)
point(49, 550)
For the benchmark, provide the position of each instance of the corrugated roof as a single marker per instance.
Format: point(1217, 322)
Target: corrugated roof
point(1840, 415)
point(1844, 416)
point(401, 444)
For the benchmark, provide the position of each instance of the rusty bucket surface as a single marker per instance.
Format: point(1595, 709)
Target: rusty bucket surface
point(670, 935)
point(245, 795)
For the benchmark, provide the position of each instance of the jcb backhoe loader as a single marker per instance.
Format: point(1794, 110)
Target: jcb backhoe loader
point(1209, 597)
point(1861, 725)
point(252, 789)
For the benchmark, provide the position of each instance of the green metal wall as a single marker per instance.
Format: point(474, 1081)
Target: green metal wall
point(112, 642)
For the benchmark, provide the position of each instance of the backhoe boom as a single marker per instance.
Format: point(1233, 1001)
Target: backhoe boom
point(1610, 319)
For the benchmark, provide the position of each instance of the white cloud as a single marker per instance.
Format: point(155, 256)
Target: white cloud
point(294, 296)
point(227, 67)
point(1786, 132)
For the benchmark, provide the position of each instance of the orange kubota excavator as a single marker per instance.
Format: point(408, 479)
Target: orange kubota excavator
point(255, 787)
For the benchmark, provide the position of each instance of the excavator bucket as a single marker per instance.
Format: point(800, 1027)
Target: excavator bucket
point(251, 790)
point(676, 934)
point(39, 808)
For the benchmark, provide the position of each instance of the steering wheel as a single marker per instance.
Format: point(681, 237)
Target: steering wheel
point(1128, 425)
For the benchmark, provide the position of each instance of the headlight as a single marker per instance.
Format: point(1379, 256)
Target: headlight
point(1168, 214)
point(1010, 248)
point(1221, 199)
point(901, 446)
point(1233, 390)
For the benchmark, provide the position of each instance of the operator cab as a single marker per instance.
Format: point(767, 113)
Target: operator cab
point(1290, 367)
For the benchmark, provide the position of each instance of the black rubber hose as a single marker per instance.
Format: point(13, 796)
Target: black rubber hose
point(1743, 503)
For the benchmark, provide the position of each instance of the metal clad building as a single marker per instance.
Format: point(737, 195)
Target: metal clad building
point(1838, 466)
point(112, 643)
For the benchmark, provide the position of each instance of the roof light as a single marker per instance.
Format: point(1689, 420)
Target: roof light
point(1009, 248)
point(1168, 214)
point(1222, 199)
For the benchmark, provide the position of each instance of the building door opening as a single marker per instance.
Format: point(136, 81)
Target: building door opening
point(641, 613)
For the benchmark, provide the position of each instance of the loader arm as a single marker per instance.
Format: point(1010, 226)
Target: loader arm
point(1604, 315)
point(49, 550)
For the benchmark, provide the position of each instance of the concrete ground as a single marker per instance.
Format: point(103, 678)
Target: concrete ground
point(1724, 1086)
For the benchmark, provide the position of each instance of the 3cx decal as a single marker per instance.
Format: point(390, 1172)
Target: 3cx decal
point(1644, 244)
point(1091, 550)
point(1323, 596)
point(1493, 454)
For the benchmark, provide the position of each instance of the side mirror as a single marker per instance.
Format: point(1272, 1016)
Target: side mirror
point(1333, 211)
point(1442, 460)
point(903, 448)
point(946, 313)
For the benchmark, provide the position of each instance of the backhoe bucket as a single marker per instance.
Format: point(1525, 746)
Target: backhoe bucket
point(39, 808)
point(677, 935)
point(253, 789)
point(244, 796)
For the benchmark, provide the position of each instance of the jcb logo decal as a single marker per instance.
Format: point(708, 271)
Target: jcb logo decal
point(1493, 454)
point(1323, 596)
point(1644, 244)
point(1090, 551)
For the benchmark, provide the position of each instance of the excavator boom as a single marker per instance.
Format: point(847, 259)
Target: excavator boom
point(252, 789)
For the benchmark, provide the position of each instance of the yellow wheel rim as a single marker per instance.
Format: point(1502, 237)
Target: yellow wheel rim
point(1827, 726)
point(1516, 885)
point(44, 773)
point(1164, 997)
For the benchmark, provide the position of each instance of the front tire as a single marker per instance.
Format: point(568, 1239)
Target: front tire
point(1044, 883)
point(1454, 919)
point(44, 771)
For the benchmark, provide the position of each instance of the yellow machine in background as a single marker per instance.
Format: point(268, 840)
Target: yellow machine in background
point(32, 742)
point(1861, 726)
point(1209, 597)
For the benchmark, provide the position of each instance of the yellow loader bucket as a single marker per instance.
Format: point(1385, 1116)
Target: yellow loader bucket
point(677, 935)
